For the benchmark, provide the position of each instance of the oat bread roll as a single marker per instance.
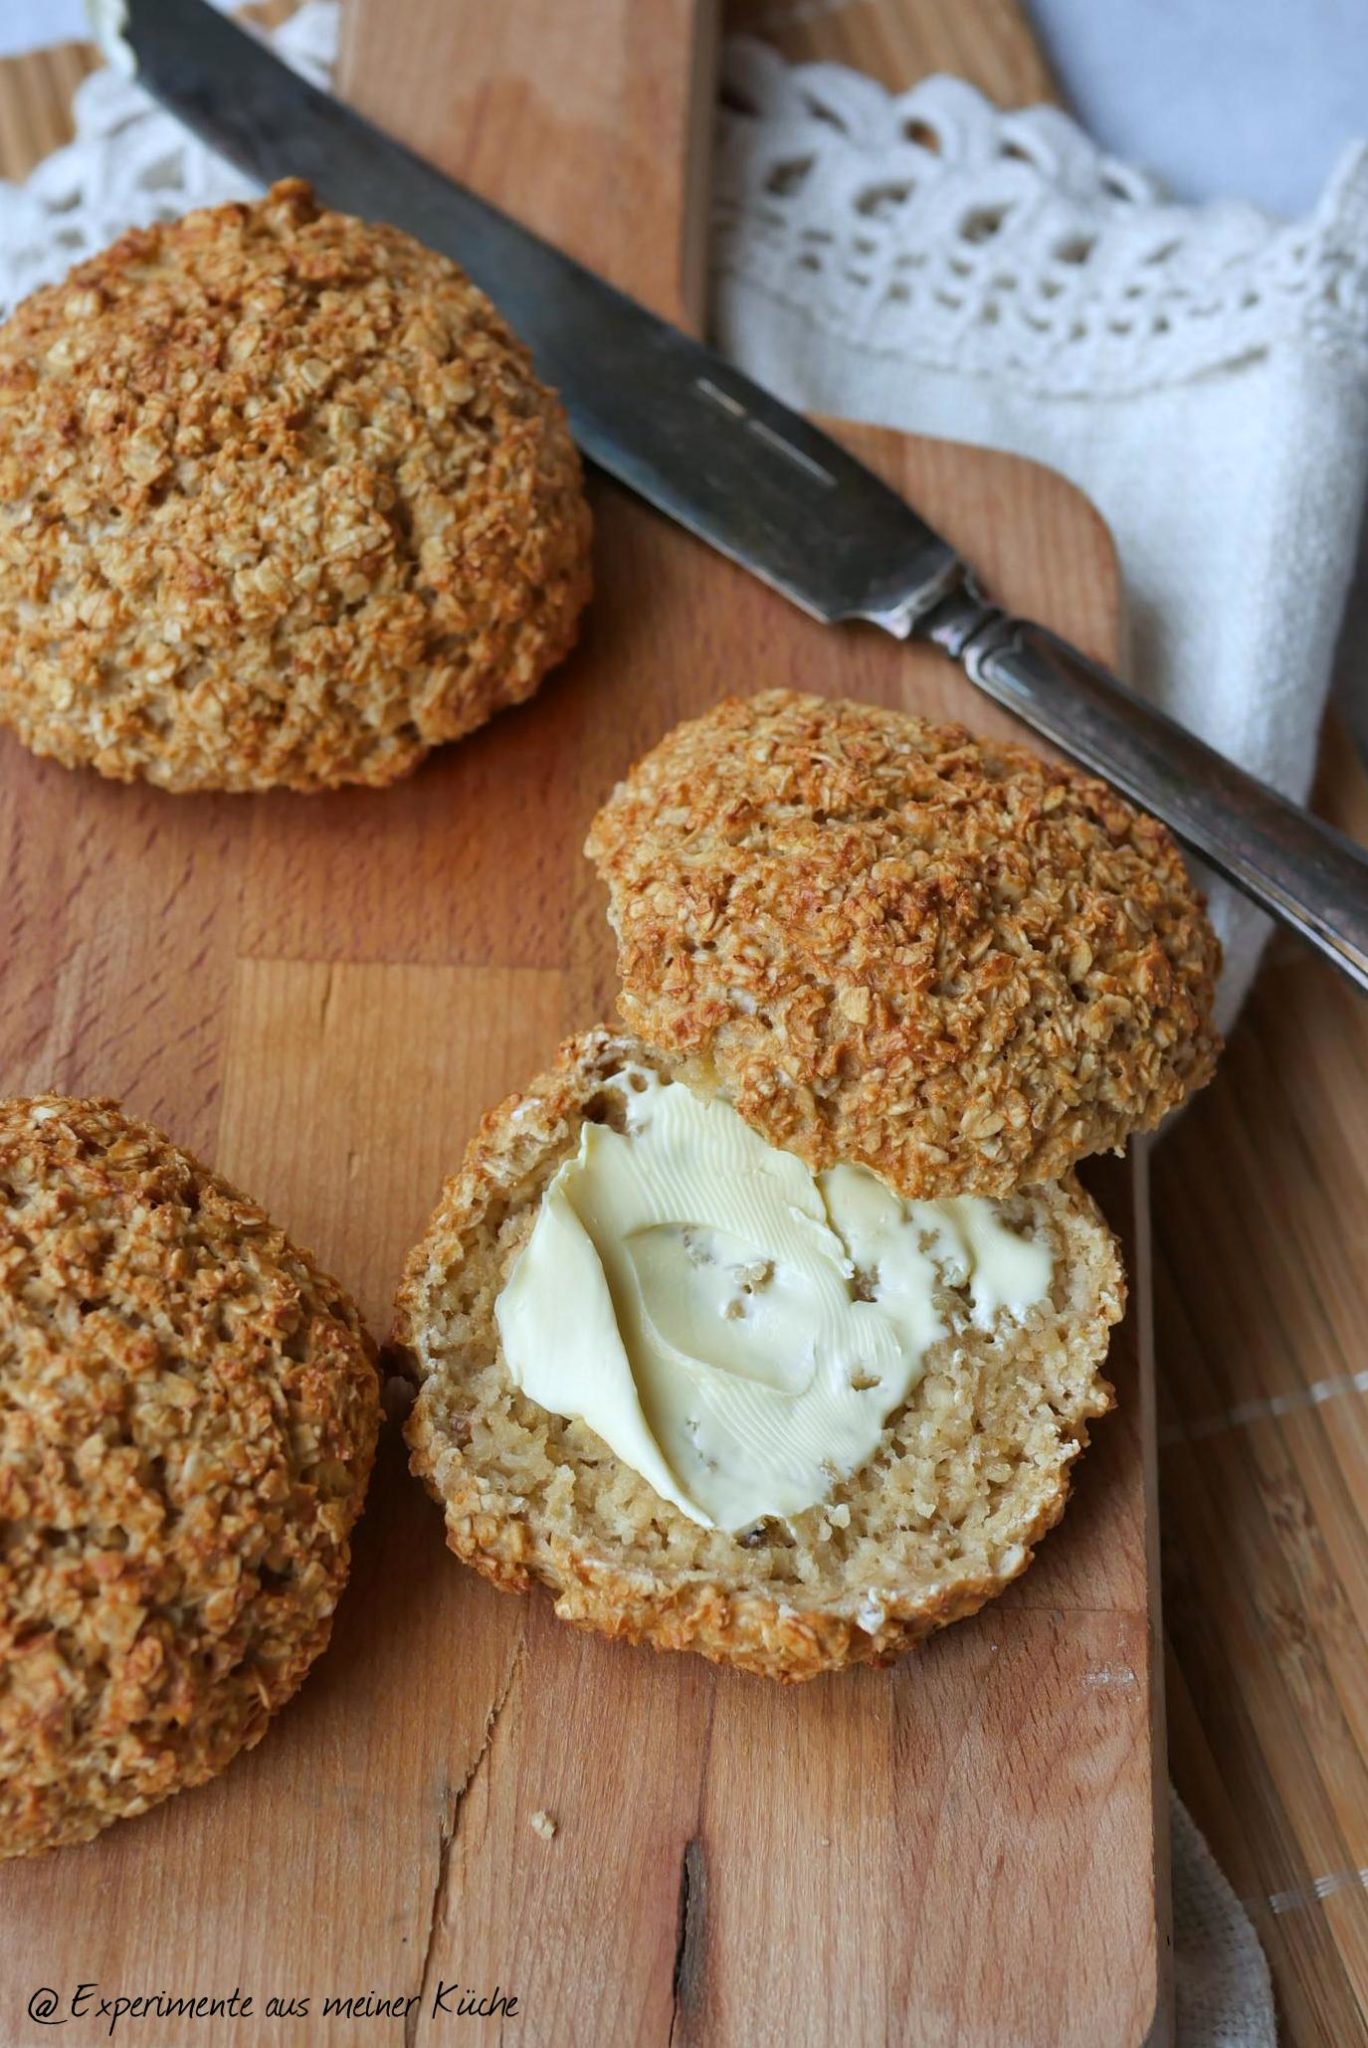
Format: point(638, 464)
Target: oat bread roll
point(910, 967)
point(282, 504)
point(890, 943)
point(188, 1416)
point(968, 1476)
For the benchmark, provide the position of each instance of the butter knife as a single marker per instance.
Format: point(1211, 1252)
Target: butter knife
point(677, 424)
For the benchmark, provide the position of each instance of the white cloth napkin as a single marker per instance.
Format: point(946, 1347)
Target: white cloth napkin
point(927, 263)
point(1223, 1995)
point(923, 261)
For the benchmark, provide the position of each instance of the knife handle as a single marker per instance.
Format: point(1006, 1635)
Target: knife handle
point(1302, 871)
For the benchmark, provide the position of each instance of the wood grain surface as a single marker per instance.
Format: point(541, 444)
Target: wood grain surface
point(1260, 1204)
point(989, 42)
point(324, 995)
point(1264, 1466)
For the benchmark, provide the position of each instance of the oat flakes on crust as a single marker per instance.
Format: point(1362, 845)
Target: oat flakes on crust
point(889, 942)
point(188, 1415)
point(281, 504)
point(971, 1473)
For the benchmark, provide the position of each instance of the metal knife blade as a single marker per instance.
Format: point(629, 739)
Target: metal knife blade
point(677, 424)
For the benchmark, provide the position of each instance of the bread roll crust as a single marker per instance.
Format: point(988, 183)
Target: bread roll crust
point(282, 504)
point(188, 1416)
point(890, 943)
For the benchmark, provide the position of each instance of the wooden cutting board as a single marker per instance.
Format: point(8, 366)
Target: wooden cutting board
point(323, 995)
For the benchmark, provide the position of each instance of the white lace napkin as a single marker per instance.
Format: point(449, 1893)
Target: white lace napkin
point(925, 262)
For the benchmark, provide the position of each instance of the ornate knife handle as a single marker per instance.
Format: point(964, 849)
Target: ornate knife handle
point(1303, 872)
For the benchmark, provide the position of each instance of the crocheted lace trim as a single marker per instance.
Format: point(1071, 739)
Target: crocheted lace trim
point(130, 164)
point(929, 225)
point(924, 224)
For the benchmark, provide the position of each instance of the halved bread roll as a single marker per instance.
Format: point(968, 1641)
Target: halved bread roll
point(970, 1472)
point(888, 984)
point(889, 942)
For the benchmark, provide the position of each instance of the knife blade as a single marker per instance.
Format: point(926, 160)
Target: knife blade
point(677, 424)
